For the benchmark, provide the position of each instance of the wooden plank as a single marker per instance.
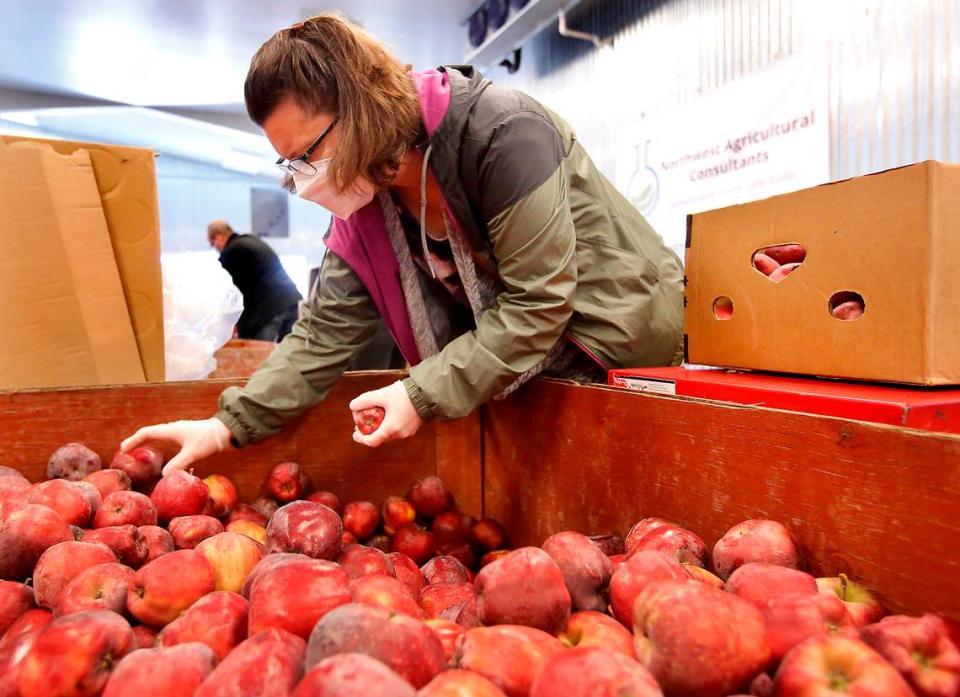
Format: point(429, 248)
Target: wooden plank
point(34, 423)
point(459, 461)
point(878, 502)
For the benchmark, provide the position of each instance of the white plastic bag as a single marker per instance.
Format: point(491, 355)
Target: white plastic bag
point(200, 307)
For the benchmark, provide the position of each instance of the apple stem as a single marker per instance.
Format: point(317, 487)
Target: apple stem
point(843, 586)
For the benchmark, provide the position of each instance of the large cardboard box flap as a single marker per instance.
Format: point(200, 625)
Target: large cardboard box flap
point(64, 319)
point(127, 182)
point(892, 238)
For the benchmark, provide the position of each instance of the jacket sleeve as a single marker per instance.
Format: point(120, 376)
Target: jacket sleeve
point(335, 321)
point(533, 242)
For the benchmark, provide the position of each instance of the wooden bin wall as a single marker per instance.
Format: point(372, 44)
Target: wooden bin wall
point(877, 502)
point(34, 423)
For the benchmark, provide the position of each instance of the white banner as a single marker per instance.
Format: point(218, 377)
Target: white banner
point(759, 136)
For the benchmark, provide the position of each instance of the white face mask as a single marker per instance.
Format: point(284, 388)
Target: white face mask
point(320, 189)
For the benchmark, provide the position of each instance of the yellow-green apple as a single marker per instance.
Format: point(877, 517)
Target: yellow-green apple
point(438, 598)
point(358, 561)
point(61, 563)
point(162, 672)
point(188, 531)
point(403, 643)
point(592, 671)
point(126, 541)
point(305, 527)
point(460, 683)
point(829, 664)
point(448, 632)
point(100, 587)
point(217, 620)
point(223, 495)
point(755, 540)
point(179, 494)
point(444, 569)
point(143, 465)
point(293, 594)
point(157, 540)
point(250, 529)
point(863, 606)
point(287, 482)
point(66, 498)
point(167, 586)
point(641, 528)
point(921, 649)
point(268, 664)
point(678, 542)
point(408, 573)
point(415, 542)
point(793, 618)
point(525, 587)
point(589, 628)
point(72, 461)
point(397, 513)
point(758, 583)
point(586, 569)
point(25, 534)
point(635, 574)
point(232, 557)
point(698, 641)
point(352, 674)
point(386, 592)
point(74, 655)
point(15, 599)
point(510, 656)
point(109, 481)
point(125, 508)
point(430, 497)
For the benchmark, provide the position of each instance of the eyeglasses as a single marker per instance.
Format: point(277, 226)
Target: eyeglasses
point(302, 164)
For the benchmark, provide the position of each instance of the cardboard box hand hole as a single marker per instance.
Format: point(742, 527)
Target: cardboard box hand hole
point(778, 261)
point(723, 308)
point(846, 305)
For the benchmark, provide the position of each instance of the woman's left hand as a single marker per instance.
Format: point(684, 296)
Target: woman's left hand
point(400, 420)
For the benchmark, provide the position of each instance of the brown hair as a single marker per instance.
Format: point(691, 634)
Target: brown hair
point(328, 64)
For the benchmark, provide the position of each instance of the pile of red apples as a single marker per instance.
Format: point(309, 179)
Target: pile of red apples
point(116, 582)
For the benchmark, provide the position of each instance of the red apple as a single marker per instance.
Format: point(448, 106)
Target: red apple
point(641, 528)
point(361, 518)
point(287, 482)
point(489, 535)
point(144, 637)
point(217, 620)
point(232, 557)
point(157, 540)
point(165, 672)
point(589, 628)
point(167, 586)
point(397, 513)
point(14, 494)
point(637, 573)
point(109, 481)
point(829, 664)
point(460, 683)
point(143, 465)
point(268, 562)
point(268, 664)
point(61, 563)
point(510, 656)
point(863, 606)
point(15, 599)
point(358, 561)
point(463, 552)
point(328, 499)
point(698, 573)
point(179, 494)
point(66, 498)
point(91, 493)
point(72, 461)
point(920, 648)
point(791, 619)
point(351, 675)
point(591, 671)
point(255, 532)
point(31, 621)
point(408, 573)
point(386, 592)
point(415, 542)
point(368, 420)
point(100, 587)
point(444, 570)
point(452, 527)
point(755, 540)
point(525, 587)
point(586, 569)
point(381, 542)
point(349, 539)
point(401, 642)
point(74, 654)
point(10, 472)
point(190, 530)
point(305, 527)
point(469, 615)
point(24, 535)
point(244, 511)
point(223, 495)
point(448, 632)
point(697, 640)
point(491, 557)
point(610, 544)
point(126, 541)
point(438, 598)
point(12, 654)
point(125, 508)
point(678, 542)
point(295, 594)
point(430, 497)
point(266, 506)
point(757, 583)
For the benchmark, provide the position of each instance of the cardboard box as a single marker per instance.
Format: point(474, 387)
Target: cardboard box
point(891, 237)
point(127, 183)
point(64, 319)
point(911, 407)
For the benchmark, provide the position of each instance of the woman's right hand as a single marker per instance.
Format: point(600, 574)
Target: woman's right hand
point(197, 440)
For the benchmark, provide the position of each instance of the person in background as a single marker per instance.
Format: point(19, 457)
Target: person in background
point(270, 299)
point(468, 217)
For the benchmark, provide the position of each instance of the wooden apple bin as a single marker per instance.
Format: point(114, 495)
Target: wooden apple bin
point(877, 502)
